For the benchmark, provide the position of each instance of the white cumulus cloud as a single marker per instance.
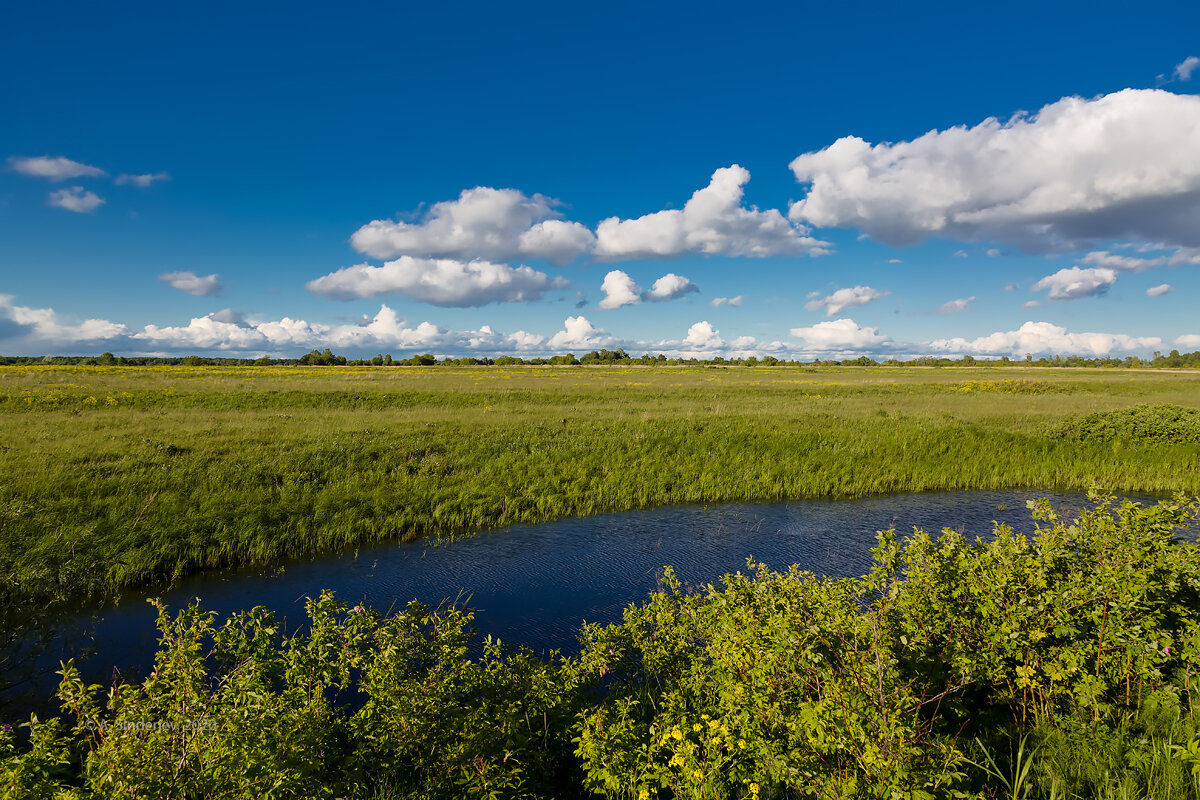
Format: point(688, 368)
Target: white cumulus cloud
point(190, 282)
point(703, 335)
point(843, 299)
point(54, 168)
point(1188, 340)
point(1074, 283)
point(670, 287)
point(1122, 165)
point(45, 327)
point(438, 281)
point(840, 334)
point(203, 333)
point(483, 223)
point(579, 334)
point(1043, 337)
point(619, 290)
point(1158, 291)
point(77, 199)
point(713, 222)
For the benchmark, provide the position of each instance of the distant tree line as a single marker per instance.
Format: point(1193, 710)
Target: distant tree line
point(326, 358)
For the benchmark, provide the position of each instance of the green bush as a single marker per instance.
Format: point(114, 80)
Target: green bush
point(1065, 664)
point(1150, 423)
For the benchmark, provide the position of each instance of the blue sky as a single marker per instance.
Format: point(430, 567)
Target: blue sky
point(483, 178)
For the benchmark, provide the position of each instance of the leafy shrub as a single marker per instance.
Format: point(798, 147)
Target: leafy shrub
point(918, 680)
point(1150, 423)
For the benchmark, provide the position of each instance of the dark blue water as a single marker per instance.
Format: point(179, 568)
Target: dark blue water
point(533, 585)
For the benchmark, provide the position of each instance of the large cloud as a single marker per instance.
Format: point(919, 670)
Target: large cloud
point(1074, 283)
point(438, 281)
point(843, 299)
point(1122, 165)
point(713, 222)
point(44, 326)
point(840, 335)
point(55, 168)
point(483, 223)
point(1043, 337)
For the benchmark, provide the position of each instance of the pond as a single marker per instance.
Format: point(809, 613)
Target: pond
point(533, 585)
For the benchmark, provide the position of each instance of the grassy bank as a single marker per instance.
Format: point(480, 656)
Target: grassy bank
point(117, 476)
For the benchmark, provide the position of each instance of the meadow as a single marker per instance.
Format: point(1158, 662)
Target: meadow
point(118, 476)
point(1061, 666)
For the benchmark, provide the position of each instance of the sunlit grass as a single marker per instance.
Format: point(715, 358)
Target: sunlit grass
point(112, 476)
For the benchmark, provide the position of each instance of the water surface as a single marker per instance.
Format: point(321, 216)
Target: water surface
point(533, 585)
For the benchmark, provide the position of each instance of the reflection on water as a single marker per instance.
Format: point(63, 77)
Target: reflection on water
point(532, 585)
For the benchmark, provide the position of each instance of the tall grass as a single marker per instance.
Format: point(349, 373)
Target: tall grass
point(118, 476)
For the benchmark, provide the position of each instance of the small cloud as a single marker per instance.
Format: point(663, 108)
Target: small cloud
point(142, 181)
point(960, 253)
point(1189, 340)
point(1184, 69)
point(955, 306)
point(670, 287)
point(190, 282)
point(1159, 291)
point(1031, 304)
point(55, 169)
point(1012, 287)
point(839, 334)
point(579, 333)
point(1103, 258)
point(843, 299)
point(1074, 283)
point(619, 290)
point(76, 199)
point(703, 334)
point(736, 302)
point(895, 261)
point(994, 253)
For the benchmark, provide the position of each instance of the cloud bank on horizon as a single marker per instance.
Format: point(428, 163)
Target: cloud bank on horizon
point(1112, 181)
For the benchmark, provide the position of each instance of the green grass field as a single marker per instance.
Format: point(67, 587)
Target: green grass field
point(118, 476)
